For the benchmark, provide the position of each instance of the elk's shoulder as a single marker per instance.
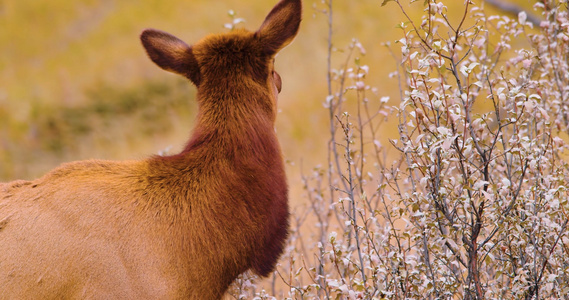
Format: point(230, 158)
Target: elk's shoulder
point(94, 169)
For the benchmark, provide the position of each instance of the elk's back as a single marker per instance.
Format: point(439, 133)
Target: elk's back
point(81, 232)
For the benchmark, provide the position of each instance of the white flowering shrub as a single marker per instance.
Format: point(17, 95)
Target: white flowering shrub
point(474, 204)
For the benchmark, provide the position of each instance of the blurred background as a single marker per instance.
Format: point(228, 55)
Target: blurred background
point(75, 83)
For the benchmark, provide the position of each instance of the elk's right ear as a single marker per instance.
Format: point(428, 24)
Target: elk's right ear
point(281, 25)
point(171, 54)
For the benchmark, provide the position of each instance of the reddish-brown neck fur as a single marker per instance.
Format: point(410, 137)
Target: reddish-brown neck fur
point(234, 139)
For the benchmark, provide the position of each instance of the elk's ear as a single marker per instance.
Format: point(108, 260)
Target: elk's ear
point(171, 54)
point(280, 26)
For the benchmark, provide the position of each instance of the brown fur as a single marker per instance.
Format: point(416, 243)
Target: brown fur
point(182, 226)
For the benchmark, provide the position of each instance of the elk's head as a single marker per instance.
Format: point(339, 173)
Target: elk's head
point(230, 63)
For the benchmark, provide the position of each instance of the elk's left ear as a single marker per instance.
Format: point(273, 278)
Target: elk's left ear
point(171, 54)
point(280, 26)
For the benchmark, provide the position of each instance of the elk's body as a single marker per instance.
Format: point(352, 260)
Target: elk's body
point(181, 226)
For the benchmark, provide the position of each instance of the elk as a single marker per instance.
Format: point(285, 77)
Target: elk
point(167, 227)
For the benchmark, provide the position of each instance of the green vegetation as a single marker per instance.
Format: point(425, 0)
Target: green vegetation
point(75, 84)
point(108, 113)
point(108, 106)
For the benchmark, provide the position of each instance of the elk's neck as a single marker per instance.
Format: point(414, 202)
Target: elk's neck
point(235, 122)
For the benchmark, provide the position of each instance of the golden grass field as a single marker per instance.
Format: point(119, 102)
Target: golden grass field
point(75, 82)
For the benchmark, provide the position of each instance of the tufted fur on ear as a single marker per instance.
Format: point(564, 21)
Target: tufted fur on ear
point(280, 26)
point(171, 54)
